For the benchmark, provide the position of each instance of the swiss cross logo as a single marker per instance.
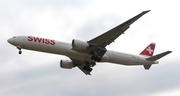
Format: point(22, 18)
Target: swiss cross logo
point(149, 50)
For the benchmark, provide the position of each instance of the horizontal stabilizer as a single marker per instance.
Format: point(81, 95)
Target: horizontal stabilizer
point(158, 56)
point(147, 67)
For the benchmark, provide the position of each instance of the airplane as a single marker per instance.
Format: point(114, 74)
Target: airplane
point(85, 54)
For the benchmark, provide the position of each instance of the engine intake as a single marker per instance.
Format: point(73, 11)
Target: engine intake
point(67, 64)
point(79, 45)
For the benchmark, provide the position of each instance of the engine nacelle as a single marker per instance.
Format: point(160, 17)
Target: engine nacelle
point(67, 64)
point(79, 45)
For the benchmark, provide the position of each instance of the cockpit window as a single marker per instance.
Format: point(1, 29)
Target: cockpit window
point(14, 37)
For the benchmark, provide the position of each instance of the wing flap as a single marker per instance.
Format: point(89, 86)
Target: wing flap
point(85, 71)
point(84, 66)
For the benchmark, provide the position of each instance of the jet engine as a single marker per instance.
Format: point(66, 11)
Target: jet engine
point(79, 45)
point(67, 64)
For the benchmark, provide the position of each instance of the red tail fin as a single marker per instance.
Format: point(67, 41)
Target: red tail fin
point(149, 50)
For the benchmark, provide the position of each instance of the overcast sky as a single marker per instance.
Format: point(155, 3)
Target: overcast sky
point(38, 74)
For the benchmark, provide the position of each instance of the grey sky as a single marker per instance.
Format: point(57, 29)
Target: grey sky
point(39, 74)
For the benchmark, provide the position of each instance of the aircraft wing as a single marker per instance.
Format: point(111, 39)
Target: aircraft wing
point(84, 66)
point(107, 38)
point(97, 46)
point(85, 71)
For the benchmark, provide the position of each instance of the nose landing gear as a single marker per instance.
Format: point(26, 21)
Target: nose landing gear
point(20, 52)
point(19, 48)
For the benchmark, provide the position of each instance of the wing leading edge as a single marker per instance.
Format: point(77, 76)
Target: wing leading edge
point(107, 38)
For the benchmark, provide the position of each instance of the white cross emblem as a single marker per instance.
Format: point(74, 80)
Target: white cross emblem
point(149, 50)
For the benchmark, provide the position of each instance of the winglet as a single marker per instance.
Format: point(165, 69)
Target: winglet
point(147, 11)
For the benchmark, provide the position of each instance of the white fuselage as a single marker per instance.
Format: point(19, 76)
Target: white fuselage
point(61, 48)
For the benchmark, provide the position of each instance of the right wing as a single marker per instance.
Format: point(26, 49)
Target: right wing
point(107, 38)
point(98, 44)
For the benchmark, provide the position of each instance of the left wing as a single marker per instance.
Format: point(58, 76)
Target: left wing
point(84, 66)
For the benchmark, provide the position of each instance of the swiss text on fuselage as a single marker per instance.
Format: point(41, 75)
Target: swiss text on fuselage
point(41, 40)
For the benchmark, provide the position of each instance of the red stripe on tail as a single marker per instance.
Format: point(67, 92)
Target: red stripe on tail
point(149, 50)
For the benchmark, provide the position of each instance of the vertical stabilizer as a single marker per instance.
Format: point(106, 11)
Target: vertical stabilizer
point(149, 50)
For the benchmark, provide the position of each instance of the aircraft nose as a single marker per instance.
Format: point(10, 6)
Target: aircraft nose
point(11, 41)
